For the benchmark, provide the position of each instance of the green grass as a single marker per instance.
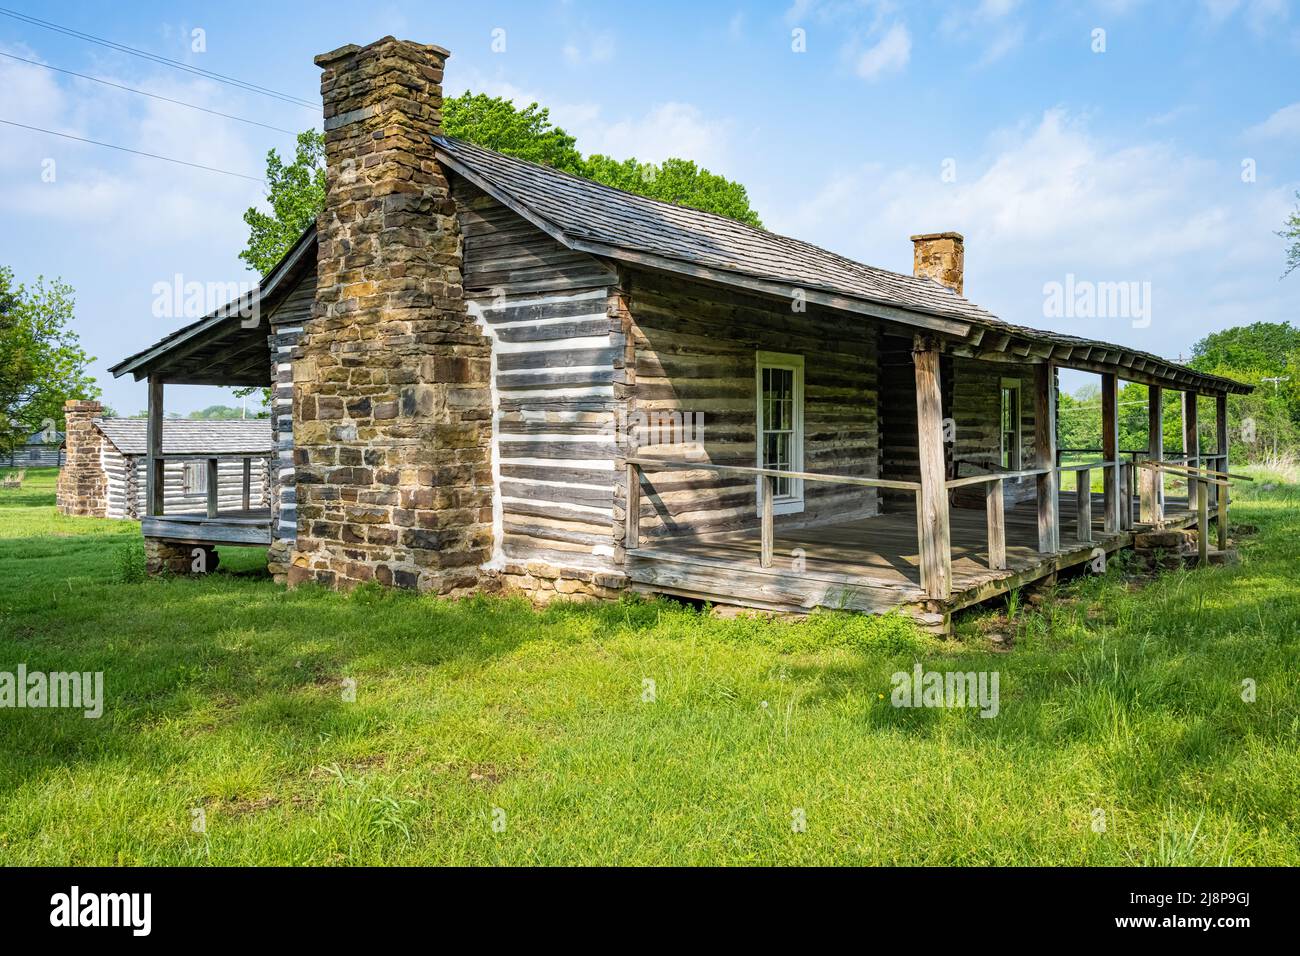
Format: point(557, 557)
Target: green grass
point(224, 694)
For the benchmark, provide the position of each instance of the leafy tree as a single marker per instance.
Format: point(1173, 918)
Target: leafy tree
point(218, 413)
point(1266, 355)
point(528, 134)
point(1261, 345)
point(296, 192)
point(42, 363)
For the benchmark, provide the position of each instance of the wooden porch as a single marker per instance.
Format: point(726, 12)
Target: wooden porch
point(250, 526)
point(873, 564)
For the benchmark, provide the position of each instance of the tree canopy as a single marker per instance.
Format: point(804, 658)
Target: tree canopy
point(42, 363)
point(296, 192)
point(296, 189)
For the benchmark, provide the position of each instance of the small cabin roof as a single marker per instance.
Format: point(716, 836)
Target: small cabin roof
point(183, 436)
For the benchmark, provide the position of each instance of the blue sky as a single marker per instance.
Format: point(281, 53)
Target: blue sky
point(996, 118)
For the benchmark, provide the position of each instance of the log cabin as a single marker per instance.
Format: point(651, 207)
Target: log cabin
point(226, 463)
point(487, 372)
point(43, 449)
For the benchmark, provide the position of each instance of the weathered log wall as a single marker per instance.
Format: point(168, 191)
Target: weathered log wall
point(554, 355)
point(230, 487)
point(695, 360)
point(286, 324)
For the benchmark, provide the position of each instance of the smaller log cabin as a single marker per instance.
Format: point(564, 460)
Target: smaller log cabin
point(488, 372)
point(42, 449)
point(110, 455)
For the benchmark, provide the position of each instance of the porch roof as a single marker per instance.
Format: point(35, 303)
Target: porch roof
point(222, 348)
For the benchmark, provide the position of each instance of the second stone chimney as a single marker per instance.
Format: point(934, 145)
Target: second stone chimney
point(392, 408)
point(940, 256)
point(82, 487)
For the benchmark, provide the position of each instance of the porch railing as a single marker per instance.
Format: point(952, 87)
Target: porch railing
point(767, 483)
point(155, 498)
point(1208, 483)
point(1119, 482)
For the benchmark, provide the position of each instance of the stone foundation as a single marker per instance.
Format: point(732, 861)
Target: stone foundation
point(543, 583)
point(173, 557)
point(279, 557)
point(83, 487)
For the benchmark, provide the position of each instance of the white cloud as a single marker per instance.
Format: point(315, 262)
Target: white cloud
point(1284, 124)
point(591, 48)
point(1005, 41)
point(1050, 198)
point(112, 223)
point(665, 129)
point(889, 55)
point(1262, 16)
point(669, 129)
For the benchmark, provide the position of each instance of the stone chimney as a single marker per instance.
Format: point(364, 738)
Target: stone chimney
point(83, 488)
point(940, 256)
point(392, 410)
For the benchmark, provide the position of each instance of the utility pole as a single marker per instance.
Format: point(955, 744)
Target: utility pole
point(1276, 380)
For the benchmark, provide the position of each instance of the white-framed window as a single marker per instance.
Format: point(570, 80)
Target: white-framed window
point(195, 478)
point(1009, 427)
point(779, 385)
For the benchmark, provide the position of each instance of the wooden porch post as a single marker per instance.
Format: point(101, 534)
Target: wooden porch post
point(1110, 450)
point(1049, 531)
point(1221, 436)
point(995, 513)
point(1221, 446)
point(932, 500)
point(1202, 528)
point(213, 490)
point(765, 531)
point(1083, 504)
point(248, 484)
point(154, 481)
point(1152, 479)
point(1191, 445)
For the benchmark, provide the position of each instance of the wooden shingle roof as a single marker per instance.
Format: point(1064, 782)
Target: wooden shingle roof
point(185, 436)
point(584, 210)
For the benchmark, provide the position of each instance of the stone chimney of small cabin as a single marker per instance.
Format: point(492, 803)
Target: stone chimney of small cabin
point(940, 256)
point(392, 409)
point(82, 487)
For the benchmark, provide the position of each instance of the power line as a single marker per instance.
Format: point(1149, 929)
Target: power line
point(156, 96)
point(137, 152)
point(165, 61)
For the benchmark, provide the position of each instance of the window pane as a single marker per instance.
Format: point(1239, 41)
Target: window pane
point(776, 442)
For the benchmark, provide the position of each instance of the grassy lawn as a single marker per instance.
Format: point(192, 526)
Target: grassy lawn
point(224, 694)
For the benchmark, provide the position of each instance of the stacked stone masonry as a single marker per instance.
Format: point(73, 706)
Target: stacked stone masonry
point(82, 488)
point(392, 407)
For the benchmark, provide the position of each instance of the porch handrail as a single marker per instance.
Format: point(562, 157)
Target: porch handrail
point(768, 476)
point(1166, 465)
point(1202, 478)
point(682, 464)
point(994, 476)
